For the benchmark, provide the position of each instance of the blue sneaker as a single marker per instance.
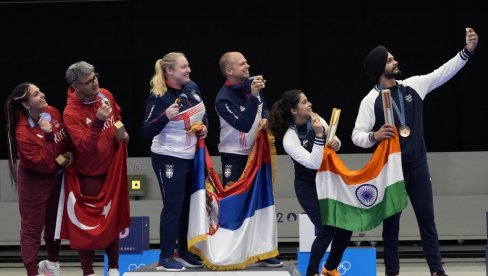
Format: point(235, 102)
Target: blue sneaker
point(271, 262)
point(188, 260)
point(169, 264)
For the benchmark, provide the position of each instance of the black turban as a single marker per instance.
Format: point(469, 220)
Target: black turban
point(375, 61)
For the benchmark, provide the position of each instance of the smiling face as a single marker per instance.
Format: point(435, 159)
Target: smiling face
point(87, 86)
point(36, 101)
point(179, 74)
point(392, 70)
point(238, 68)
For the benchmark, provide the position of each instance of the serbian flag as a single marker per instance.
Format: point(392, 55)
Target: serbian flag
point(360, 200)
point(94, 222)
point(233, 227)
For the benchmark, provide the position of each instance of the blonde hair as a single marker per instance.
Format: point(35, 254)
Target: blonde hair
point(158, 81)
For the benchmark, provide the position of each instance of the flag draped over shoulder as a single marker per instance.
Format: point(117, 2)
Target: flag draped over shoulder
point(233, 227)
point(94, 222)
point(360, 200)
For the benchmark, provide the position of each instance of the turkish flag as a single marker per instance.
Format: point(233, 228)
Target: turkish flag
point(94, 222)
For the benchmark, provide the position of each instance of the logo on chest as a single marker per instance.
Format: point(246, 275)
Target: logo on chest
point(55, 123)
point(196, 96)
point(409, 98)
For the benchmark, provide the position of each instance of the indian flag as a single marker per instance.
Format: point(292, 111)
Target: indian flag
point(360, 200)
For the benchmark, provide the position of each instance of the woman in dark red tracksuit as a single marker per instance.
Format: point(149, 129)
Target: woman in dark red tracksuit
point(36, 136)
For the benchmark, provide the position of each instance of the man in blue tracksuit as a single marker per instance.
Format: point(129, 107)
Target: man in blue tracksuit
point(407, 100)
point(242, 109)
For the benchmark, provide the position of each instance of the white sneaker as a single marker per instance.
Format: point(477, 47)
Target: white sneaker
point(50, 268)
point(113, 272)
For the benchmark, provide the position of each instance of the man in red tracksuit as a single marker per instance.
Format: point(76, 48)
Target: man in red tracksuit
point(90, 115)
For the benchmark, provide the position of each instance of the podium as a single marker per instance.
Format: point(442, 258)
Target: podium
point(133, 247)
point(135, 238)
point(136, 259)
point(288, 269)
point(134, 262)
point(357, 261)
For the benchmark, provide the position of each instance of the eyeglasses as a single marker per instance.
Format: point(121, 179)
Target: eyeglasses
point(90, 81)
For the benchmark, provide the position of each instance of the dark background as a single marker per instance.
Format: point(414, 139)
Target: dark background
point(294, 44)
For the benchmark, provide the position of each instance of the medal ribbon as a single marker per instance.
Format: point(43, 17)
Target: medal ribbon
point(100, 95)
point(400, 113)
point(309, 128)
point(31, 122)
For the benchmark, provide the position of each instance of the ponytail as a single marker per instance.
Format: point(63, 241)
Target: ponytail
point(158, 82)
point(280, 117)
point(14, 109)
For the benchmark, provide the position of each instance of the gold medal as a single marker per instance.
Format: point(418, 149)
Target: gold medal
point(404, 131)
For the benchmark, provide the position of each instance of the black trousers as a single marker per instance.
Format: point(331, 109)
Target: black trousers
point(419, 190)
point(307, 197)
point(232, 166)
point(175, 178)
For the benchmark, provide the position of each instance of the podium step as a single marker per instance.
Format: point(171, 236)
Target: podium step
point(208, 273)
point(288, 269)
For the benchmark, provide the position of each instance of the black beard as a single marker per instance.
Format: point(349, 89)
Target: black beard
point(391, 75)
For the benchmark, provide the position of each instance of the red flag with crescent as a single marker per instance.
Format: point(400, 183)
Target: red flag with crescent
point(94, 222)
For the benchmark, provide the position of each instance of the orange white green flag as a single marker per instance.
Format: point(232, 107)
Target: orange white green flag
point(359, 200)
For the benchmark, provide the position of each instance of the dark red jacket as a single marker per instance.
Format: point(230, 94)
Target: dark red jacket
point(94, 141)
point(38, 150)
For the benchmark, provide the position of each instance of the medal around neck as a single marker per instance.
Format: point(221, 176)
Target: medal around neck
point(180, 99)
point(44, 116)
point(259, 77)
point(105, 101)
point(404, 131)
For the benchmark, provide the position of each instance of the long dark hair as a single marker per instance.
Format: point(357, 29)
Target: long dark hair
point(280, 117)
point(13, 109)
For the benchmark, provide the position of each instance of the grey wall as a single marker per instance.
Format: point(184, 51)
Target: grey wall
point(459, 182)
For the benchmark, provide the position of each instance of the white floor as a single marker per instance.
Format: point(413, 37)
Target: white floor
point(453, 267)
point(409, 267)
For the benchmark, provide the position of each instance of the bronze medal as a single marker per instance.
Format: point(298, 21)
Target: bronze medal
point(404, 131)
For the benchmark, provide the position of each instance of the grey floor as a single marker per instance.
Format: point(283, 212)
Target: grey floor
point(409, 267)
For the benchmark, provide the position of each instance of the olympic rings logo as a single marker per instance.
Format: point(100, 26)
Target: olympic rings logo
point(344, 267)
point(124, 233)
point(135, 266)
